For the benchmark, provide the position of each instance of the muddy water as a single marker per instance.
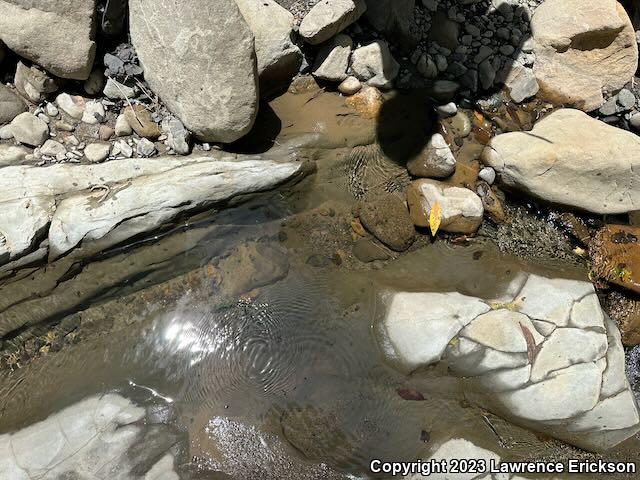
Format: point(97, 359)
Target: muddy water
point(255, 327)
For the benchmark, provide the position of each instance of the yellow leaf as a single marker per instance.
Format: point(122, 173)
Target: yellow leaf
point(435, 216)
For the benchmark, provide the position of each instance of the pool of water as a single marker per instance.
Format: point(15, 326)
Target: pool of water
point(253, 330)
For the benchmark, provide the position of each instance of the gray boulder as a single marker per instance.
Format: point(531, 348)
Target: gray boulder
point(374, 64)
point(29, 129)
point(55, 34)
point(201, 63)
point(333, 59)
point(571, 159)
point(11, 105)
point(279, 59)
point(33, 83)
point(328, 18)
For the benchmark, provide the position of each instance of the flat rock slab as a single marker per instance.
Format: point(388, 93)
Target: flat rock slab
point(90, 439)
point(102, 205)
point(533, 357)
point(571, 159)
point(55, 34)
point(201, 63)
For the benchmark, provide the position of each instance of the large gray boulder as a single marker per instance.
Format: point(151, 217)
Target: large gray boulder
point(55, 34)
point(571, 159)
point(279, 58)
point(543, 356)
point(201, 62)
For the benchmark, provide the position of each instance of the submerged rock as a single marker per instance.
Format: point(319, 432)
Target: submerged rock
point(615, 255)
point(571, 159)
point(80, 442)
point(544, 357)
point(56, 35)
point(387, 218)
point(583, 50)
point(203, 70)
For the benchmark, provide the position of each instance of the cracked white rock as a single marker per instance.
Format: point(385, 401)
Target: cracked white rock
point(545, 356)
point(374, 64)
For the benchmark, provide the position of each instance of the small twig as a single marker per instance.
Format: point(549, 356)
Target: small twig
point(116, 84)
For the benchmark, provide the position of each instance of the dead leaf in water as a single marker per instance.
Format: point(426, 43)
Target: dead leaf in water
point(435, 217)
point(410, 394)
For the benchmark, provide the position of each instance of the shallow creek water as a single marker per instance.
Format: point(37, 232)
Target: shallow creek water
point(252, 332)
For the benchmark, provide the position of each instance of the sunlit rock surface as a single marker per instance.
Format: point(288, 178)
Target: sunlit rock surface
point(92, 439)
point(546, 357)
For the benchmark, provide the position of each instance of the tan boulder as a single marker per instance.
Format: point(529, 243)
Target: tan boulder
point(571, 159)
point(584, 49)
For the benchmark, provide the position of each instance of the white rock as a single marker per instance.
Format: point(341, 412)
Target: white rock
point(29, 129)
point(210, 42)
point(565, 394)
point(145, 148)
point(122, 127)
point(487, 174)
point(551, 299)
point(374, 64)
point(350, 86)
point(52, 148)
point(412, 317)
point(56, 35)
point(614, 413)
point(329, 17)
point(71, 105)
point(436, 159)
point(118, 91)
point(566, 347)
point(279, 58)
point(94, 112)
point(522, 83)
point(461, 209)
point(12, 155)
point(97, 152)
point(571, 159)
point(502, 330)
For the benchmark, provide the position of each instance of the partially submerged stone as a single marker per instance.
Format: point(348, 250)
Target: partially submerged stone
point(544, 357)
point(461, 209)
point(89, 439)
point(107, 203)
point(615, 254)
point(436, 159)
